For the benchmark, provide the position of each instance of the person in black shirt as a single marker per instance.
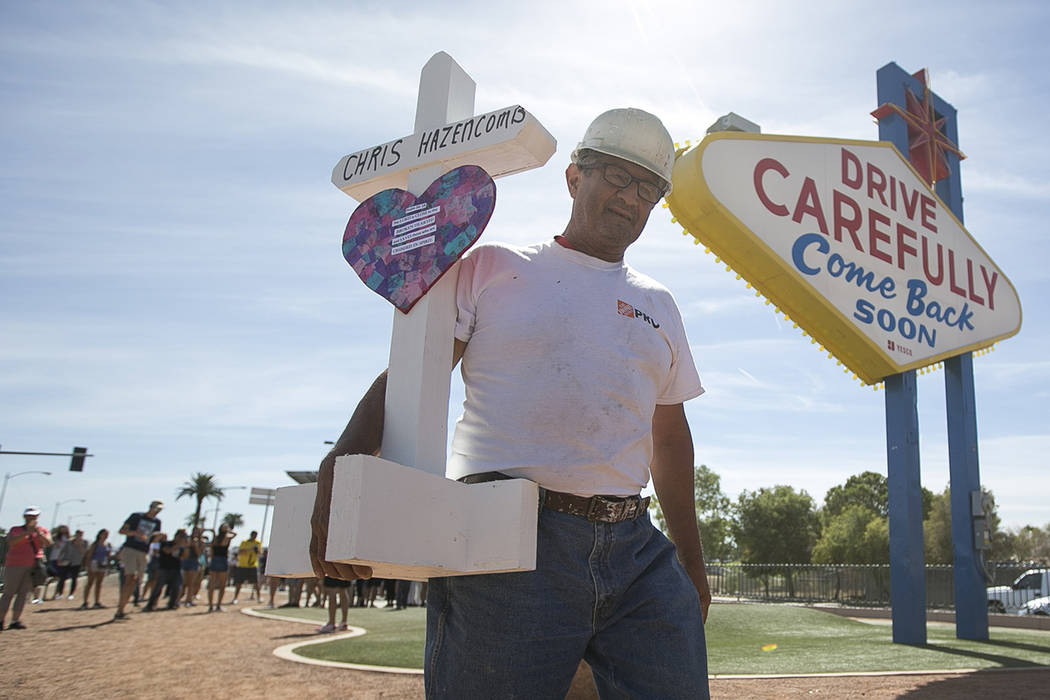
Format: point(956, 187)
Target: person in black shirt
point(169, 571)
point(137, 528)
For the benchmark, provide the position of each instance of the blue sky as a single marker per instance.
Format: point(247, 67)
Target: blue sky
point(173, 293)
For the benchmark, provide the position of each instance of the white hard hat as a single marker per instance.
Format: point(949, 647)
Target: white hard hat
point(634, 135)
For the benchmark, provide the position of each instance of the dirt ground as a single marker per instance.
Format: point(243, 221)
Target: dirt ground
point(188, 653)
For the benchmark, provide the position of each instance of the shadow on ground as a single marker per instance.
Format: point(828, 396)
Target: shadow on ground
point(998, 659)
point(989, 683)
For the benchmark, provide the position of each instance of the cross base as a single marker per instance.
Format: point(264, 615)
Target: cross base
point(408, 524)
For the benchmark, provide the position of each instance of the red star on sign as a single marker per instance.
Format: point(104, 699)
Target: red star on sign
point(927, 144)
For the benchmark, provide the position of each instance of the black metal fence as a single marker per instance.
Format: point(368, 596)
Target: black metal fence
point(845, 584)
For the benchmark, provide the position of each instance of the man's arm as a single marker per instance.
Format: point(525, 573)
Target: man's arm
point(39, 538)
point(363, 435)
point(127, 530)
point(672, 471)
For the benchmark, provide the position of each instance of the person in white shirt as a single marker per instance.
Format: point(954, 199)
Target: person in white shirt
point(575, 369)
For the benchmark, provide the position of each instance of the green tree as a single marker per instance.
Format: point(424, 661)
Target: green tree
point(877, 541)
point(776, 526)
point(199, 487)
point(713, 514)
point(868, 489)
point(937, 530)
point(842, 540)
point(854, 536)
point(1027, 544)
point(233, 520)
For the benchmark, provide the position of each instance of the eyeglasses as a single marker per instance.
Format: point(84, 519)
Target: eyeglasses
point(615, 175)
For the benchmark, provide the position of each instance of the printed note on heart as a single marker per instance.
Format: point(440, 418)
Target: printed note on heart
point(400, 244)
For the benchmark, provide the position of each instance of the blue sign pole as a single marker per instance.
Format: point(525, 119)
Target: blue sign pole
point(907, 556)
point(971, 598)
point(971, 618)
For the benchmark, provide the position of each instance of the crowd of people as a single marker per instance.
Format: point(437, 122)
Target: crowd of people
point(341, 595)
point(157, 571)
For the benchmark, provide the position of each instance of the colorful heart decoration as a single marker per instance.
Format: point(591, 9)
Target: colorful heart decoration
point(400, 245)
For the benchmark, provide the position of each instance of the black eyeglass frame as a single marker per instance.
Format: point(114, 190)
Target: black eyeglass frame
point(655, 190)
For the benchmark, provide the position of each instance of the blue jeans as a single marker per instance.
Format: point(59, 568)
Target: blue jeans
point(612, 594)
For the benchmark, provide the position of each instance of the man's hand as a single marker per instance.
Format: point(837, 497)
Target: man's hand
point(319, 527)
point(363, 435)
point(698, 575)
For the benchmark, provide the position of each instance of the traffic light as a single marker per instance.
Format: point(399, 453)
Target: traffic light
point(77, 464)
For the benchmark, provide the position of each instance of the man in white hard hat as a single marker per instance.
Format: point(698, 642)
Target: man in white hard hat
point(575, 368)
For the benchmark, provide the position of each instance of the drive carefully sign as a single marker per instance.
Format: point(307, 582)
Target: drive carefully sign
point(849, 242)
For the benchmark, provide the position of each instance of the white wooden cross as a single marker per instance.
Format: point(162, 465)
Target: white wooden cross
point(399, 514)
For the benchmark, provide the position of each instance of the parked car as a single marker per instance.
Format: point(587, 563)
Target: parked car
point(1036, 606)
point(1034, 583)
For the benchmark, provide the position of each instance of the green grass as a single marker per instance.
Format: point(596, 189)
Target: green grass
point(395, 638)
point(813, 641)
point(807, 641)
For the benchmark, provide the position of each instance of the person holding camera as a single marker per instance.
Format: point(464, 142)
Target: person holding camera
point(25, 551)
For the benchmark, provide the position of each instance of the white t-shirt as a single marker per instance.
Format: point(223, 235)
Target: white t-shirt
point(567, 358)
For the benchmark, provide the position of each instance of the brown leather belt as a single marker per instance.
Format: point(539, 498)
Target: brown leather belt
point(605, 509)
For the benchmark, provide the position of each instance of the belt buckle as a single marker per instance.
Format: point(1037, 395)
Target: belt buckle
point(611, 511)
point(607, 511)
point(593, 507)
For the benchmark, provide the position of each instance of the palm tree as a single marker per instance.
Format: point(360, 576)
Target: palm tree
point(200, 486)
point(233, 520)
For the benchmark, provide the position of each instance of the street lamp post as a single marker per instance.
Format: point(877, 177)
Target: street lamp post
point(54, 520)
point(215, 520)
point(8, 476)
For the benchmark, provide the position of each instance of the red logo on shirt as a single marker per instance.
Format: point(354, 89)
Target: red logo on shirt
point(625, 309)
